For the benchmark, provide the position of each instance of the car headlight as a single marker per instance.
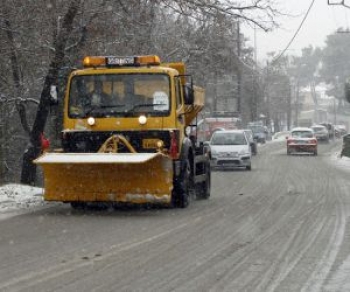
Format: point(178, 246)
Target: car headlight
point(242, 152)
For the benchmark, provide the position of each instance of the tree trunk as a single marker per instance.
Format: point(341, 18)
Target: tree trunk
point(28, 174)
point(276, 125)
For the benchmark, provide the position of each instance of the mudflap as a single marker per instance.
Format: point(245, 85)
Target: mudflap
point(107, 177)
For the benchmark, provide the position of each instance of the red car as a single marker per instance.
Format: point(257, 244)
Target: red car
point(302, 140)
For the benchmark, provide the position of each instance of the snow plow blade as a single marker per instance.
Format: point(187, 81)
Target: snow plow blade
point(107, 177)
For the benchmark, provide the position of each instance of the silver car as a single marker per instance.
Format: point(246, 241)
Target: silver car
point(253, 142)
point(230, 148)
point(321, 133)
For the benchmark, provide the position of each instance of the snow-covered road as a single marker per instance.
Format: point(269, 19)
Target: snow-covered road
point(281, 227)
point(16, 197)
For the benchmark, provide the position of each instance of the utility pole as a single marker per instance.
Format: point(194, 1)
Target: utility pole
point(239, 75)
point(335, 110)
point(289, 107)
point(255, 48)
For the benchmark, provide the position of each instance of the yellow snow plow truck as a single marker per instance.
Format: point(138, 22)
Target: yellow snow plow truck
point(126, 136)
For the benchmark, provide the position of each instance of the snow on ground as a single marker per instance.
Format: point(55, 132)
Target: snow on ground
point(341, 162)
point(15, 198)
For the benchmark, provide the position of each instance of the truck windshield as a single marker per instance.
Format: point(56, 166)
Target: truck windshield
point(119, 95)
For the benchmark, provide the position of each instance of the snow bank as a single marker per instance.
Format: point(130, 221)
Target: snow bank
point(342, 162)
point(15, 196)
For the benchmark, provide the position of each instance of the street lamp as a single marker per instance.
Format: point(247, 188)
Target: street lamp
point(335, 111)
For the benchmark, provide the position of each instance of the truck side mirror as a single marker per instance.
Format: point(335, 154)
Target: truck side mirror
point(347, 90)
point(188, 94)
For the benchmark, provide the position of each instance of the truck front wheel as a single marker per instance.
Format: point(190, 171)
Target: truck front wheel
point(204, 188)
point(78, 205)
point(185, 194)
point(181, 194)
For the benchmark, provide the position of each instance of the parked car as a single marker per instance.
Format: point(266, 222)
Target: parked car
point(321, 133)
point(340, 130)
point(218, 129)
point(302, 139)
point(330, 128)
point(281, 135)
point(253, 142)
point(260, 133)
point(230, 148)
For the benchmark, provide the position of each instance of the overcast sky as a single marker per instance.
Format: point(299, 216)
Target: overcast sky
point(321, 21)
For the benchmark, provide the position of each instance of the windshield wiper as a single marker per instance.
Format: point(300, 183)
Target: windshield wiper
point(95, 109)
point(91, 109)
point(112, 106)
point(144, 105)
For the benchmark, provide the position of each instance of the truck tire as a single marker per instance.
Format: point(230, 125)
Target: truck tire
point(78, 205)
point(204, 187)
point(185, 194)
point(181, 194)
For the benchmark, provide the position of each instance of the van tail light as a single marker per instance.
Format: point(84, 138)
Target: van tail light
point(313, 141)
point(289, 141)
point(174, 148)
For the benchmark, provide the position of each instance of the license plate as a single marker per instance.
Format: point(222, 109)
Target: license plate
point(149, 143)
point(230, 163)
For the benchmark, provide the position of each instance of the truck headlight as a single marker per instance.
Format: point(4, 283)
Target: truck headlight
point(142, 120)
point(242, 152)
point(91, 121)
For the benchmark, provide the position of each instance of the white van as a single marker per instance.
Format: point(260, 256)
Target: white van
point(230, 148)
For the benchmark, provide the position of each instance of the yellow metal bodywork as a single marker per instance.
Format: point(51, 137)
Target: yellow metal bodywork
point(189, 111)
point(120, 123)
point(107, 177)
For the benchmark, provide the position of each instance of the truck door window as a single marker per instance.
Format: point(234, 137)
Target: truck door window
point(178, 93)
